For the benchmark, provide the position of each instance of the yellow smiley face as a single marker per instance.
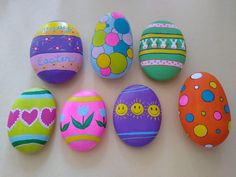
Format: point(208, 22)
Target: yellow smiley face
point(137, 109)
point(121, 109)
point(153, 110)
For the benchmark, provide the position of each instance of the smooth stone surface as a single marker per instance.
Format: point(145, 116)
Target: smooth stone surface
point(83, 120)
point(112, 46)
point(204, 110)
point(162, 50)
point(56, 52)
point(31, 120)
point(137, 115)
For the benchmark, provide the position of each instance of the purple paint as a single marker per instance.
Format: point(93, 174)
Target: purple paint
point(137, 115)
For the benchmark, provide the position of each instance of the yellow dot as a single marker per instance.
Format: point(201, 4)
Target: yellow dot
point(130, 53)
point(221, 99)
point(100, 26)
point(213, 84)
point(103, 61)
point(229, 125)
point(203, 113)
point(200, 130)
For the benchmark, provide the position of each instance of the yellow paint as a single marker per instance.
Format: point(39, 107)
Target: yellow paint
point(162, 51)
point(57, 28)
point(154, 110)
point(200, 130)
point(162, 36)
point(74, 138)
point(85, 99)
point(121, 109)
point(137, 109)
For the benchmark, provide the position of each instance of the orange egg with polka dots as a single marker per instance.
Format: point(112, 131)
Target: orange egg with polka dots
point(204, 110)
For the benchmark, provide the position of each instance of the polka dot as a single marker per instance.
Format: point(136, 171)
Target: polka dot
point(122, 26)
point(127, 38)
point(105, 71)
point(100, 26)
point(189, 118)
point(229, 125)
point(208, 146)
point(213, 85)
point(121, 47)
point(130, 53)
point(118, 63)
point(183, 100)
point(196, 87)
point(200, 130)
point(183, 88)
point(196, 76)
point(217, 115)
point(99, 38)
point(226, 109)
point(103, 61)
point(112, 39)
point(203, 113)
point(117, 15)
point(221, 99)
point(218, 131)
point(208, 96)
point(96, 51)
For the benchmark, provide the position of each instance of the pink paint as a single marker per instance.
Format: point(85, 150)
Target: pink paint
point(117, 15)
point(183, 100)
point(112, 39)
point(217, 115)
point(29, 117)
point(13, 117)
point(59, 61)
point(83, 103)
point(48, 117)
point(105, 71)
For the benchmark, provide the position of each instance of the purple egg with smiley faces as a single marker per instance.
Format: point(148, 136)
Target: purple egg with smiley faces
point(137, 115)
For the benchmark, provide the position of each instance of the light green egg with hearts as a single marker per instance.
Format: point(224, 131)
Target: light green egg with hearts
point(31, 120)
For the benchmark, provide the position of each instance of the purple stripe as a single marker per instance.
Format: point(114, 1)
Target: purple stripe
point(56, 43)
point(56, 76)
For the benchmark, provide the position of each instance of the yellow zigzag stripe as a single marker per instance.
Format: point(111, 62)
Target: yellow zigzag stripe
point(162, 51)
point(81, 138)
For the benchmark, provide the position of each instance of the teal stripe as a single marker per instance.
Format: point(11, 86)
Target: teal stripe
point(36, 92)
point(138, 133)
point(133, 138)
point(28, 137)
point(36, 96)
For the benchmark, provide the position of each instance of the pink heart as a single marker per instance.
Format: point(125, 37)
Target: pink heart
point(29, 117)
point(12, 118)
point(48, 117)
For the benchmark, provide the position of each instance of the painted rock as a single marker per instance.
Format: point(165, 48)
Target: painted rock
point(56, 52)
point(112, 46)
point(83, 120)
point(162, 50)
point(31, 120)
point(204, 110)
point(137, 115)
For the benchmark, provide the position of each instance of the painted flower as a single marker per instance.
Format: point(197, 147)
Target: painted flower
point(103, 112)
point(62, 117)
point(83, 110)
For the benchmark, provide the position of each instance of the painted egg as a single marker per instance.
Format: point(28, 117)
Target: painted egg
point(31, 120)
point(204, 110)
point(112, 46)
point(56, 52)
point(137, 115)
point(83, 120)
point(162, 50)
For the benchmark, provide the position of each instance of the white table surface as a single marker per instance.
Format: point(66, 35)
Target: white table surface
point(209, 27)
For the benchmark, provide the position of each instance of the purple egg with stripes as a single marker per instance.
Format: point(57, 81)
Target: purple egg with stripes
point(137, 115)
point(56, 52)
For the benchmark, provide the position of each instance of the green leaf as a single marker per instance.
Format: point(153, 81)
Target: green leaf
point(88, 120)
point(65, 127)
point(100, 124)
point(77, 124)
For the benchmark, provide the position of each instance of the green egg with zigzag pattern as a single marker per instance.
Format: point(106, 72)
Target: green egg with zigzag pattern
point(31, 120)
point(162, 50)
